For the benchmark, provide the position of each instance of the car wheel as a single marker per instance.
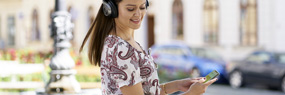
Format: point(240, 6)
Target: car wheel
point(283, 84)
point(236, 79)
point(195, 73)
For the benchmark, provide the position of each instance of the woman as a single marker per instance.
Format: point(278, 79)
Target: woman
point(125, 67)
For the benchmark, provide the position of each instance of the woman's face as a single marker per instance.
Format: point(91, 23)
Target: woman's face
point(131, 13)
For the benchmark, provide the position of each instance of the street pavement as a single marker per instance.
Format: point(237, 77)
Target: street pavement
point(219, 89)
point(225, 89)
point(215, 89)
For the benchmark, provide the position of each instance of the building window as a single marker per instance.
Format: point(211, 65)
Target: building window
point(35, 33)
point(50, 21)
point(0, 29)
point(248, 23)
point(177, 20)
point(2, 44)
point(211, 22)
point(11, 30)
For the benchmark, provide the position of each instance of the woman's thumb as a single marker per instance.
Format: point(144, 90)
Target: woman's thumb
point(202, 80)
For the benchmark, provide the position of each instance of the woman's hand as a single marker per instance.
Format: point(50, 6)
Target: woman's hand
point(184, 84)
point(178, 85)
point(199, 87)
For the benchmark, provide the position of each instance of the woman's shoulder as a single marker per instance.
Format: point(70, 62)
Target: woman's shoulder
point(119, 47)
point(114, 41)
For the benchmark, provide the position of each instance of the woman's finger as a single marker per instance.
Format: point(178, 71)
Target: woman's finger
point(201, 80)
point(211, 81)
point(192, 81)
point(189, 80)
point(198, 78)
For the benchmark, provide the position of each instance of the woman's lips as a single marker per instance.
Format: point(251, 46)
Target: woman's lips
point(136, 21)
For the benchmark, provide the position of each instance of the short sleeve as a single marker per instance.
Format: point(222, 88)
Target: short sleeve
point(128, 71)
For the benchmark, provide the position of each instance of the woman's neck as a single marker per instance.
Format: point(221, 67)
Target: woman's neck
point(124, 33)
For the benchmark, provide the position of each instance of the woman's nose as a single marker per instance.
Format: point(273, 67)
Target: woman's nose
point(138, 12)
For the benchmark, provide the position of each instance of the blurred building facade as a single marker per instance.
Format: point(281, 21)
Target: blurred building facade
point(233, 27)
point(25, 23)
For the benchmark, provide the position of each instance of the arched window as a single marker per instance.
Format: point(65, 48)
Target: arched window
point(0, 28)
point(2, 43)
point(35, 33)
point(248, 22)
point(11, 30)
point(50, 20)
point(211, 22)
point(177, 20)
point(91, 16)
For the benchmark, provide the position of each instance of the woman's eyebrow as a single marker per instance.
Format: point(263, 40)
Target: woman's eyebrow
point(133, 4)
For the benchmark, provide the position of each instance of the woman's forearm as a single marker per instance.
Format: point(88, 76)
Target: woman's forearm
point(169, 87)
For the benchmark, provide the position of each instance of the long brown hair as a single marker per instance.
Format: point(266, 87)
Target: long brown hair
point(98, 31)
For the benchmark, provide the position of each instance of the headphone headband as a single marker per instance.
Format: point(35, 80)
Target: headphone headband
point(110, 8)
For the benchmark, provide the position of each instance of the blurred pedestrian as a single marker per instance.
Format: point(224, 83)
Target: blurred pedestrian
point(125, 67)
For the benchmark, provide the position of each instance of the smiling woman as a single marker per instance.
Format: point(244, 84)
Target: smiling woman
point(125, 67)
point(131, 13)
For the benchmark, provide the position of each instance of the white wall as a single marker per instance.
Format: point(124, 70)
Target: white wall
point(229, 16)
point(266, 31)
point(271, 25)
point(193, 14)
point(163, 20)
point(81, 21)
point(280, 25)
point(271, 22)
point(141, 34)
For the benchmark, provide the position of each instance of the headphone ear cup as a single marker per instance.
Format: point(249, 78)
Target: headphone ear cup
point(114, 10)
point(107, 9)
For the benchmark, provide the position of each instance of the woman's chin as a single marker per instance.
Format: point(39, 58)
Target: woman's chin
point(136, 27)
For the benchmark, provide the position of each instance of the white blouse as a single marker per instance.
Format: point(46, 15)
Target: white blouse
point(123, 65)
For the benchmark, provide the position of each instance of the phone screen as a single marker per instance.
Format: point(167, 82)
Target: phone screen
point(212, 75)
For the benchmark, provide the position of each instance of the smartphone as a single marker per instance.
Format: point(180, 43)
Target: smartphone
point(212, 75)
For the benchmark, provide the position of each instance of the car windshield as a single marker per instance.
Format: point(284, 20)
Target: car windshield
point(206, 53)
point(281, 58)
point(213, 55)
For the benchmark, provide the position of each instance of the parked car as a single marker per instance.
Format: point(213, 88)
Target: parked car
point(260, 67)
point(178, 60)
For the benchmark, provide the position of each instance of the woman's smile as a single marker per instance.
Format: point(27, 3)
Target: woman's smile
point(136, 21)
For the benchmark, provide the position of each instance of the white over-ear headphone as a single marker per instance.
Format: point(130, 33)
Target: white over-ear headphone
point(110, 8)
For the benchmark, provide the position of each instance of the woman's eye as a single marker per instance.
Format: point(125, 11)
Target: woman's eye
point(131, 9)
point(142, 8)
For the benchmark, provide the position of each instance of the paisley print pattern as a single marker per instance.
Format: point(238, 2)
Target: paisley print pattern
point(123, 65)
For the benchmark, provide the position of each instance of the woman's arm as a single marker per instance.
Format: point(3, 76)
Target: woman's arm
point(132, 90)
point(169, 87)
point(177, 85)
point(188, 85)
